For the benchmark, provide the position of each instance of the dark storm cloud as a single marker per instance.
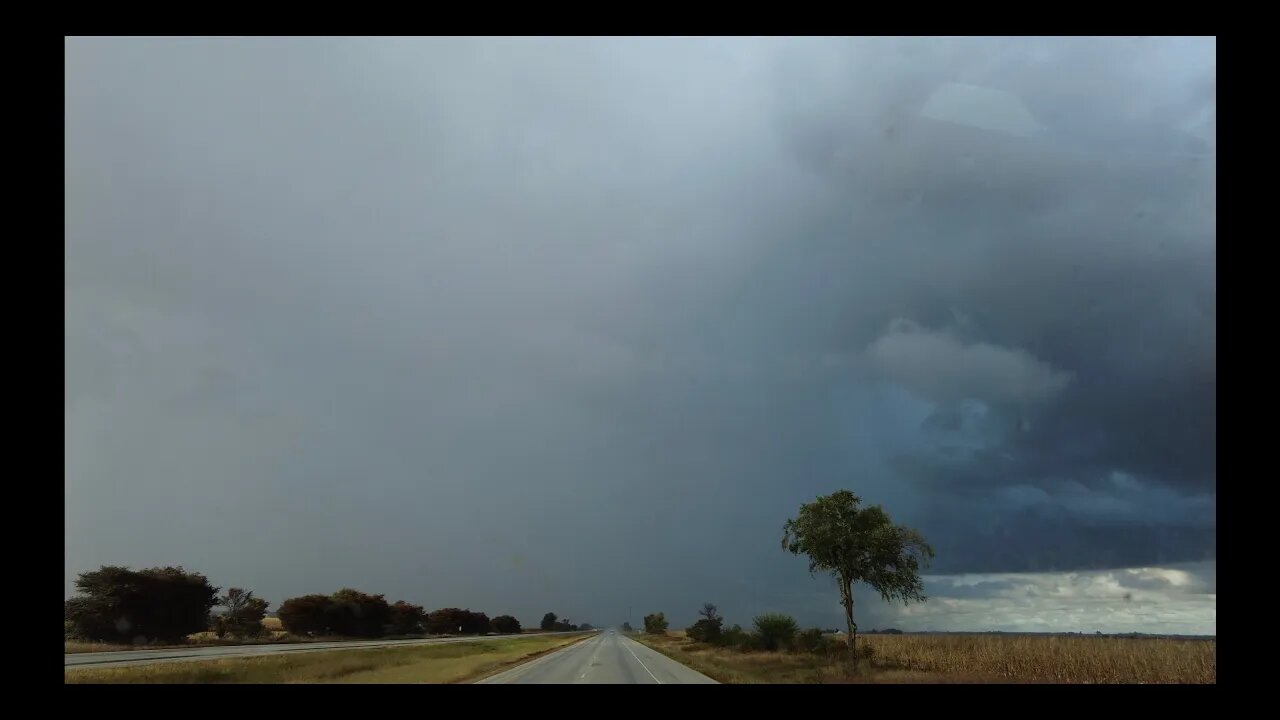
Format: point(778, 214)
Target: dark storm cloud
point(574, 325)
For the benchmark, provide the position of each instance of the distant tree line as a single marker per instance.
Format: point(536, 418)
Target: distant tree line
point(116, 604)
point(770, 632)
point(551, 623)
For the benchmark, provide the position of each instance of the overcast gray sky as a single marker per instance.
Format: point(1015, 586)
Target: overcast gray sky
point(575, 325)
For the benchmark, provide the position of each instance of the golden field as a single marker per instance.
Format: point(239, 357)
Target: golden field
point(961, 658)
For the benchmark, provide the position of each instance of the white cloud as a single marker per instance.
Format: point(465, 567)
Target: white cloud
point(1176, 599)
point(981, 107)
point(943, 368)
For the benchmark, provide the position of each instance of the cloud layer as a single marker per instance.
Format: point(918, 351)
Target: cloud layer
point(576, 324)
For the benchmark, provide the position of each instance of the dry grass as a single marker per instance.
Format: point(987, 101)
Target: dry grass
point(77, 646)
point(445, 663)
point(203, 639)
point(964, 658)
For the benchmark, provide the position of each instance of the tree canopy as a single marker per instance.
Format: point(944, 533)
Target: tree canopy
point(858, 544)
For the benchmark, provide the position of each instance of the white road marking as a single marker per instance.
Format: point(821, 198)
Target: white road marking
point(646, 667)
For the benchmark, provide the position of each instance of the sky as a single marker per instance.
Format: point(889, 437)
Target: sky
point(576, 324)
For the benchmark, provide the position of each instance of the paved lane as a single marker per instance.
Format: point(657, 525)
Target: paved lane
point(607, 658)
point(126, 658)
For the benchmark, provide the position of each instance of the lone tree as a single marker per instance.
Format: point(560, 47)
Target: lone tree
point(710, 612)
point(655, 624)
point(243, 614)
point(858, 544)
point(707, 629)
point(505, 625)
point(548, 621)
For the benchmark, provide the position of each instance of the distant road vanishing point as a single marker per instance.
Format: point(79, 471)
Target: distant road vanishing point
point(607, 658)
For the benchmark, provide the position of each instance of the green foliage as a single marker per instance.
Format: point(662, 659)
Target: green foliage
point(626, 627)
point(811, 641)
point(306, 615)
point(551, 623)
point(775, 630)
point(91, 618)
point(704, 630)
point(122, 605)
point(357, 614)
point(734, 637)
point(655, 624)
point(243, 615)
point(449, 620)
point(505, 624)
point(407, 619)
point(857, 544)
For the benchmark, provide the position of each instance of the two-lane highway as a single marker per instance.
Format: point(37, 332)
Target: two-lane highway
point(127, 658)
point(607, 658)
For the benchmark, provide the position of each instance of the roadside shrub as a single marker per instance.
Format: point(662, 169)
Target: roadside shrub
point(704, 631)
point(119, 604)
point(775, 630)
point(811, 641)
point(734, 637)
point(505, 624)
point(655, 624)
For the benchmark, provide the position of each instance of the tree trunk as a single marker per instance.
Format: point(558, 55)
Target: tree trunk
point(846, 599)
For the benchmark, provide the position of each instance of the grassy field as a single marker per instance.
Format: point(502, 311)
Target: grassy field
point(447, 663)
point(961, 659)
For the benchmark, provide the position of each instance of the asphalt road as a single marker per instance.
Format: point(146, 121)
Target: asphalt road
point(607, 658)
point(125, 658)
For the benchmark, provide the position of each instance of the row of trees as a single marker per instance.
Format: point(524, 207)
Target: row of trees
point(116, 604)
point(351, 613)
